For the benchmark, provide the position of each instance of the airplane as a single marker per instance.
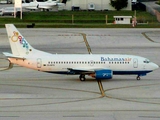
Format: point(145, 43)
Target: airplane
point(43, 5)
point(98, 66)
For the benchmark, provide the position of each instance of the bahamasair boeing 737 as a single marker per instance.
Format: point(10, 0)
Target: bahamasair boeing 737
point(98, 66)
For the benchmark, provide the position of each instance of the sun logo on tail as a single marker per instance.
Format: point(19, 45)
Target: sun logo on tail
point(18, 38)
point(14, 38)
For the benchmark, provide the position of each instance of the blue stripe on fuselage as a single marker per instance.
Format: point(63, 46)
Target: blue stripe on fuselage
point(131, 72)
point(114, 72)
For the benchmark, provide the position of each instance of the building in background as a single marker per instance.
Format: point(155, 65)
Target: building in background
point(92, 5)
point(82, 4)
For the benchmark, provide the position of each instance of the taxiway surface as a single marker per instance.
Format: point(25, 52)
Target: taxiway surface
point(31, 95)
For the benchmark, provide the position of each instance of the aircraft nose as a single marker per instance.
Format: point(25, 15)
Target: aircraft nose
point(155, 66)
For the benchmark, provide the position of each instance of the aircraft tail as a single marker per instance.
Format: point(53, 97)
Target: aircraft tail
point(19, 46)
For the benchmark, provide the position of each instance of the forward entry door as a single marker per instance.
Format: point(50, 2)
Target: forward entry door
point(135, 63)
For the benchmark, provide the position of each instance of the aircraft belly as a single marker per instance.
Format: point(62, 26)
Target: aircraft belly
point(131, 72)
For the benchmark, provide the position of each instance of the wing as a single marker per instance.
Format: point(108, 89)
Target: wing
point(9, 67)
point(98, 73)
point(86, 71)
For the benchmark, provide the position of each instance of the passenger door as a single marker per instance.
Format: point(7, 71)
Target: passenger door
point(135, 63)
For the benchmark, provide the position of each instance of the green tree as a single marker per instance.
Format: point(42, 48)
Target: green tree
point(119, 4)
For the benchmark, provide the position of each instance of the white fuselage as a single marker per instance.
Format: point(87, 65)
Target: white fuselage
point(60, 63)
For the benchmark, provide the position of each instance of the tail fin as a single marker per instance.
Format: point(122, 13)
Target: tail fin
point(19, 46)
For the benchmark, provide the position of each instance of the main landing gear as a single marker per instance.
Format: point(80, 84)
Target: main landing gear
point(82, 77)
point(138, 77)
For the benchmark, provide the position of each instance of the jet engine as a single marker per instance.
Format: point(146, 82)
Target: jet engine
point(103, 74)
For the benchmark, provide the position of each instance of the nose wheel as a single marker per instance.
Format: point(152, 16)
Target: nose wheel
point(138, 78)
point(82, 77)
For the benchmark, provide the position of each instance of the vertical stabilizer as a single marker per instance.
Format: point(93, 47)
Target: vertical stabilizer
point(19, 46)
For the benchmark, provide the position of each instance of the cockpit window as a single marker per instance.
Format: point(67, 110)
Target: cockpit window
point(146, 61)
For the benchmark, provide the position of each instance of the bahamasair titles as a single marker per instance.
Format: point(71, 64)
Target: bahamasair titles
point(98, 66)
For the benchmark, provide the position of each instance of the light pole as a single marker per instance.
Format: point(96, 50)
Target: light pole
point(101, 6)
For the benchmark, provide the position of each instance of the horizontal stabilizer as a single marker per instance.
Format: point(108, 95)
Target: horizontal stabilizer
point(9, 55)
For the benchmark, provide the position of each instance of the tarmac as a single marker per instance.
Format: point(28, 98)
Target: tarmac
point(31, 95)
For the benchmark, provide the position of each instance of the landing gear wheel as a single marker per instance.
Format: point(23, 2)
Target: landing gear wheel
point(82, 77)
point(138, 78)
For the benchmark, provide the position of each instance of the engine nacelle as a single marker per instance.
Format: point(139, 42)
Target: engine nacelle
point(103, 74)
